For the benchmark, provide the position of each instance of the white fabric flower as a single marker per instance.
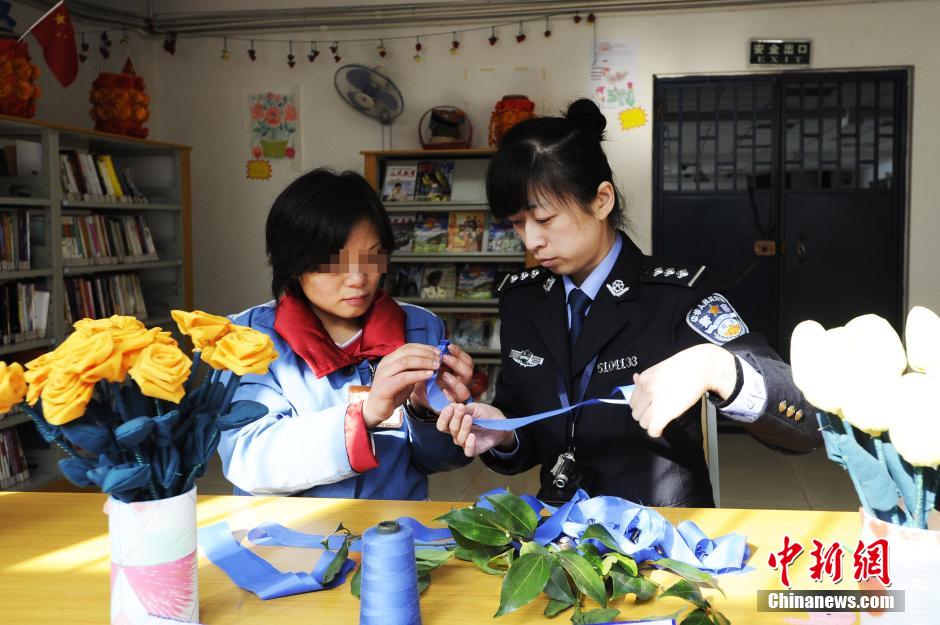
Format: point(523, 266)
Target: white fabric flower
point(915, 424)
point(922, 336)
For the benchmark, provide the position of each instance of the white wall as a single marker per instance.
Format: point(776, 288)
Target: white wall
point(200, 100)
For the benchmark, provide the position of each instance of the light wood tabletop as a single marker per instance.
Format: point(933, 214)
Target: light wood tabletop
point(55, 563)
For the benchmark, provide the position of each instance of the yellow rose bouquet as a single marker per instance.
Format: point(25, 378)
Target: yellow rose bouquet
point(879, 407)
point(121, 400)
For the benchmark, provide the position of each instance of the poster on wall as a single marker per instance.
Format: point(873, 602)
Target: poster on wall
point(274, 122)
point(613, 77)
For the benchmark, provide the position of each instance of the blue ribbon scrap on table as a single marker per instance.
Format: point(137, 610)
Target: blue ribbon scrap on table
point(518, 422)
point(640, 532)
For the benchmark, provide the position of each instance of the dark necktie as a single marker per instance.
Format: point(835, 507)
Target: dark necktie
point(578, 302)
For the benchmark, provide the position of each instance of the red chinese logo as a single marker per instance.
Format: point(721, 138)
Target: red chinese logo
point(872, 561)
point(827, 563)
point(784, 558)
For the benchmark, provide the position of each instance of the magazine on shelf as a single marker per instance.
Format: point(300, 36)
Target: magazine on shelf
point(439, 282)
point(403, 228)
point(399, 184)
point(430, 233)
point(472, 330)
point(435, 181)
point(476, 281)
point(465, 231)
point(404, 280)
point(502, 238)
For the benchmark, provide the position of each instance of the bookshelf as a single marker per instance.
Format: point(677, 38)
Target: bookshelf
point(161, 172)
point(462, 315)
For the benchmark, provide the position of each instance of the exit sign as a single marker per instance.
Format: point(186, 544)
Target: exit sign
point(775, 52)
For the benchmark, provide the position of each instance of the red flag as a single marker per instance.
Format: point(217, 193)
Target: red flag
point(56, 36)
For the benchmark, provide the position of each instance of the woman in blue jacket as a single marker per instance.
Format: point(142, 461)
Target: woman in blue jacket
point(327, 434)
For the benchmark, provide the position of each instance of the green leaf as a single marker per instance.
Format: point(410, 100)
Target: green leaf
point(533, 547)
point(522, 518)
point(585, 577)
point(559, 586)
point(463, 542)
point(591, 554)
point(482, 556)
point(503, 561)
point(355, 584)
point(684, 589)
point(462, 554)
point(525, 580)
point(624, 584)
point(688, 572)
point(599, 615)
point(555, 607)
point(342, 554)
point(719, 618)
point(599, 532)
point(612, 559)
point(478, 525)
point(438, 556)
point(423, 582)
point(697, 617)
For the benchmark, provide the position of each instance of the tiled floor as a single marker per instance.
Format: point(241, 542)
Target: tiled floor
point(751, 476)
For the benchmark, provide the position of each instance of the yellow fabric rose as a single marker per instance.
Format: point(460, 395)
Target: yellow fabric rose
point(203, 328)
point(65, 397)
point(36, 380)
point(165, 338)
point(92, 356)
point(160, 372)
point(129, 334)
point(242, 351)
point(12, 386)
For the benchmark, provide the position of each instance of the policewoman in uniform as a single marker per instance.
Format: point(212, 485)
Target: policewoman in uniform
point(597, 314)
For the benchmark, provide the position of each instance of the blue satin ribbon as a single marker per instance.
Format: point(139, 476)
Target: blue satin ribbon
point(270, 534)
point(518, 422)
point(436, 398)
point(254, 573)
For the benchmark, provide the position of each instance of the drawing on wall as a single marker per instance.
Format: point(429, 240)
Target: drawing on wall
point(274, 121)
point(613, 81)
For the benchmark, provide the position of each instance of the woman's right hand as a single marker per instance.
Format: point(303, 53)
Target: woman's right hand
point(395, 378)
point(457, 420)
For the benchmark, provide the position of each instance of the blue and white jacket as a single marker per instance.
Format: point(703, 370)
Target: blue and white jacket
point(300, 446)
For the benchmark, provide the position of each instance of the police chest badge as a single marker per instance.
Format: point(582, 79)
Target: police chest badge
point(716, 320)
point(617, 288)
point(525, 358)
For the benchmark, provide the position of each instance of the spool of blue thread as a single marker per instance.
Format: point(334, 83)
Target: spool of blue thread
point(389, 591)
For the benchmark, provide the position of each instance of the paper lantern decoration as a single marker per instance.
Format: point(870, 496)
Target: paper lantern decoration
point(18, 88)
point(120, 104)
point(509, 111)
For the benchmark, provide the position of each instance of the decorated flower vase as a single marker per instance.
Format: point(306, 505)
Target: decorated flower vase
point(18, 89)
point(913, 557)
point(274, 148)
point(153, 559)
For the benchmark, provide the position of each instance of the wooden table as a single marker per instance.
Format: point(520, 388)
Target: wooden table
point(55, 566)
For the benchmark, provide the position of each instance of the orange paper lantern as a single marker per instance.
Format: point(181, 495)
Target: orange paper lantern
point(18, 88)
point(508, 112)
point(120, 104)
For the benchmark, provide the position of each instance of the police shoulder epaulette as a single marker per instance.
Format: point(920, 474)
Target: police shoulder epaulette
point(529, 276)
point(679, 275)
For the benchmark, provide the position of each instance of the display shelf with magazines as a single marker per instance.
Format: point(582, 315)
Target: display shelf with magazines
point(90, 224)
point(450, 253)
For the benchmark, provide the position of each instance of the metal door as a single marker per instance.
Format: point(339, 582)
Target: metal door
point(791, 187)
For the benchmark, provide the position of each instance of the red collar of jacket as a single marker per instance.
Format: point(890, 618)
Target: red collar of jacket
point(383, 331)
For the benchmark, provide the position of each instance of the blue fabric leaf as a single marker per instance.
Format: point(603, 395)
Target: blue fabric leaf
point(171, 467)
point(133, 432)
point(870, 476)
point(163, 428)
point(76, 471)
point(199, 446)
point(100, 413)
point(241, 414)
point(87, 435)
point(121, 479)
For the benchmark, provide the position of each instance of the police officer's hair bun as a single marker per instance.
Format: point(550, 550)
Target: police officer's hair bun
point(586, 115)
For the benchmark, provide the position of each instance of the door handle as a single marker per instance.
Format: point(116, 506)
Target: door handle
point(800, 250)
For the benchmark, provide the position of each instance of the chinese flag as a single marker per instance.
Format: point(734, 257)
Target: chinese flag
point(56, 36)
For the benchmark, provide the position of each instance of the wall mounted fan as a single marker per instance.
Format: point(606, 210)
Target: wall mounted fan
point(371, 93)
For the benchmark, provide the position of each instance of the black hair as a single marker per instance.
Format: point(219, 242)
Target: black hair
point(311, 220)
point(558, 157)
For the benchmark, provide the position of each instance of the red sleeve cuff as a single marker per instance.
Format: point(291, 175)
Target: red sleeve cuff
point(359, 441)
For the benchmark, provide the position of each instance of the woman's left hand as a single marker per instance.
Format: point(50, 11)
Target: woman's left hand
point(453, 378)
point(665, 391)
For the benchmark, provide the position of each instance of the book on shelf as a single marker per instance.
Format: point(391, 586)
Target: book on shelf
point(89, 239)
point(476, 281)
point(465, 231)
point(404, 280)
point(473, 330)
point(13, 466)
point(399, 184)
point(502, 238)
point(434, 181)
point(24, 313)
point(403, 229)
point(439, 282)
point(97, 178)
point(101, 296)
point(15, 249)
point(430, 234)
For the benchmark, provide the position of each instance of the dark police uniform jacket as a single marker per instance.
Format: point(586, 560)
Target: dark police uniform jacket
point(646, 323)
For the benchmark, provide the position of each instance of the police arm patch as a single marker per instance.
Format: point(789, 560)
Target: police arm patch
point(716, 319)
